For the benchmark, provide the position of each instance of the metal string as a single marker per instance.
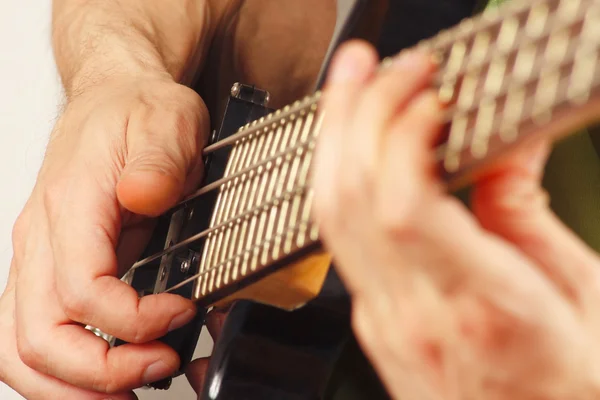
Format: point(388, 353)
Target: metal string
point(261, 207)
point(278, 236)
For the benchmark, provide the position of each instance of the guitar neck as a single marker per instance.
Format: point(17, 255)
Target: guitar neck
point(506, 76)
point(512, 74)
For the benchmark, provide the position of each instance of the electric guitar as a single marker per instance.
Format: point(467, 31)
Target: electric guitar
point(246, 236)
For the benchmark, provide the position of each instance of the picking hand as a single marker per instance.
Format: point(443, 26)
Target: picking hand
point(499, 303)
point(121, 151)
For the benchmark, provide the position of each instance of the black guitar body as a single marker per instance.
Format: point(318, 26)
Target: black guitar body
point(265, 353)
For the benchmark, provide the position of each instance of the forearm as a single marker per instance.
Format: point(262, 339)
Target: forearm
point(97, 39)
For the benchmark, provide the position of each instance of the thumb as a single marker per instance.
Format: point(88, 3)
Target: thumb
point(197, 370)
point(164, 143)
point(196, 373)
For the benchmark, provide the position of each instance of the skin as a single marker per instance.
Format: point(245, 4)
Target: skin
point(494, 304)
point(126, 146)
point(498, 303)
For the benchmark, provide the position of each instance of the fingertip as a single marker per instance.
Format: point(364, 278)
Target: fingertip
point(148, 193)
point(355, 60)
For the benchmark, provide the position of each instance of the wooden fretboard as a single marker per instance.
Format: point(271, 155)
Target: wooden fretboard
point(505, 75)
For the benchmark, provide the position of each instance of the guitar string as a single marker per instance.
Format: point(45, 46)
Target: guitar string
point(228, 223)
point(248, 171)
point(275, 118)
point(294, 109)
point(278, 236)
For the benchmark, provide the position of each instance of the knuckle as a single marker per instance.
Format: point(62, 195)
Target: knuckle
point(30, 348)
point(74, 304)
point(52, 196)
point(104, 383)
point(394, 225)
point(19, 232)
point(138, 334)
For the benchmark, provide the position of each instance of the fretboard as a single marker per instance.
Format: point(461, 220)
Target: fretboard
point(263, 211)
point(509, 73)
point(505, 76)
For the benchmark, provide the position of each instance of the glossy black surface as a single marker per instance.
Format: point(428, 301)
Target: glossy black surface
point(269, 354)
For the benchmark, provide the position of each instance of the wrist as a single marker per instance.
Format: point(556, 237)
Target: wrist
point(95, 41)
point(107, 55)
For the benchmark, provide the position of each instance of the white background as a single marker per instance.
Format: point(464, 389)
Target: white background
point(30, 97)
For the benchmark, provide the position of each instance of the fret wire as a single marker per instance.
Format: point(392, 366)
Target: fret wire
point(287, 176)
point(280, 144)
point(253, 202)
point(277, 209)
point(508, 84)
point(222, 256)
point(467, 68)
point(240, 246)
point(271, 215)
point(234, 156)
point(300, 105)
point(262, 197)
point(271, 212)
point(217, 184)
point(565, 98)
point(304, 177)
point(296, 173)
point(243, 202)
point(265, 141)
point(281, 211)
point(206, 232)
point(305, 215)
point(483, 128)
point(200, 275)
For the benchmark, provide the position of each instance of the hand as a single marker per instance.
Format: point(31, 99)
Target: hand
point(498, 303)
point(122, 150)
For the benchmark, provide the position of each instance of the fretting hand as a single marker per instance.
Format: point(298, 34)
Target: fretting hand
point(499, 303)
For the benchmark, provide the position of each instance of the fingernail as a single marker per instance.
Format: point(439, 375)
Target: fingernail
point(181, 319)
point(156, 371)
point(410, 59)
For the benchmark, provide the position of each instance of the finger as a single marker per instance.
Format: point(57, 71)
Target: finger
point(163, 152)
point(214, 323)
point(49, 343)
point(384, 98)
point(28, 382)
point(85, 225)
point(511, 203)
point(352, 66)
point(406, 162)
point(196, 373)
